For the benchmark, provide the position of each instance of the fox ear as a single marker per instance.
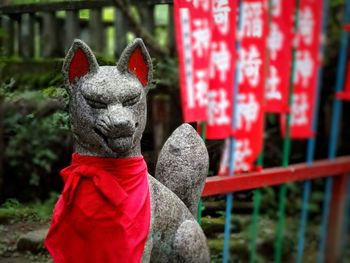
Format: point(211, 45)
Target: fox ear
point(136, 60)
point(79, 61)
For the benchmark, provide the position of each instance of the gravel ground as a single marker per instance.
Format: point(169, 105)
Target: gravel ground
point(10, 233)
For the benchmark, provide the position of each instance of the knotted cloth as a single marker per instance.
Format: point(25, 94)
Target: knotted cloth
point(103, 213)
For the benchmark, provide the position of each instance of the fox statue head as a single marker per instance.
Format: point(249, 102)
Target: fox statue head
point(108, 103)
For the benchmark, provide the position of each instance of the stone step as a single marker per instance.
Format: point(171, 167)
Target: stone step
point(32, 241)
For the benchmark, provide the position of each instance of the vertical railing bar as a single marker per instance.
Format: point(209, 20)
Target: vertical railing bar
point(286, 150)
point(333, 140)
point(256, 211)
point(254, 226)
point(324, 220)
point(229, 197)
point(260, 163)
point(303, 218)
point(281, 222)
point(228, 210)
point(310, 155)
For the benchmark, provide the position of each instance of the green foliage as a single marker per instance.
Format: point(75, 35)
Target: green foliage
point(44, 209)
point(13, 210)
point(268, 199)
point(166, 72)
point(2, 32)
point(32, 136)
point(35, 129)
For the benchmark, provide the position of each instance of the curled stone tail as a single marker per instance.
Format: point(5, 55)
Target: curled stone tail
point(183, 165)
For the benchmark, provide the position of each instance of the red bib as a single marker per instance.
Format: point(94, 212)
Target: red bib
point(103, 214)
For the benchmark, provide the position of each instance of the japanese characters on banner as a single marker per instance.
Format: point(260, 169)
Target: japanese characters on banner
point(306, 69)
point(249, 122)
point(280, 48)
point(193, 37)
point(222, 68)
point(206, 47)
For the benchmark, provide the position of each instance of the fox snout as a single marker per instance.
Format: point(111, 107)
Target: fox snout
point(118, 133)
point(113, 127)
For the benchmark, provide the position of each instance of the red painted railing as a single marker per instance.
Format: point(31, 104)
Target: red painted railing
point(338, 168)
point(222, 184)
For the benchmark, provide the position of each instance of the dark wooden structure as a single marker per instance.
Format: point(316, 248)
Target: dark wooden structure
point(36, 30)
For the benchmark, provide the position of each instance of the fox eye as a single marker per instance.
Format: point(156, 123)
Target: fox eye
point(96, 104)
point(132, 101)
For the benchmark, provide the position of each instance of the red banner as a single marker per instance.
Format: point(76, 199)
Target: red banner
point(280, 49)
point(345, 94)
point(306, 69)
point(249, 115)
point(192, 26)
point(222, 68)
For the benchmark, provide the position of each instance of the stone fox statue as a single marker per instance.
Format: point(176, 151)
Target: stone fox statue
point(111, 209)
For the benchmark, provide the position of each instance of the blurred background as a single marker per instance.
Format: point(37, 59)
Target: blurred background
point(35, 141)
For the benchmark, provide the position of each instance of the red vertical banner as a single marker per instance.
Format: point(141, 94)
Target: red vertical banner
point(249, 115)
point(345, 94)
point(222, 68)
point(306, 69)
point(280, 50)
point(193, 38)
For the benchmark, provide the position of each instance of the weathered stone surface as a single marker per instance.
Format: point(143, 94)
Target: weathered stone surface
point(32, 241)
point(116, 129)
point(184, 157)
point(108, 117)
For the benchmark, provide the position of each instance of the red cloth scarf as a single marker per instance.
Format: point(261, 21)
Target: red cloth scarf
point(103, 214)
